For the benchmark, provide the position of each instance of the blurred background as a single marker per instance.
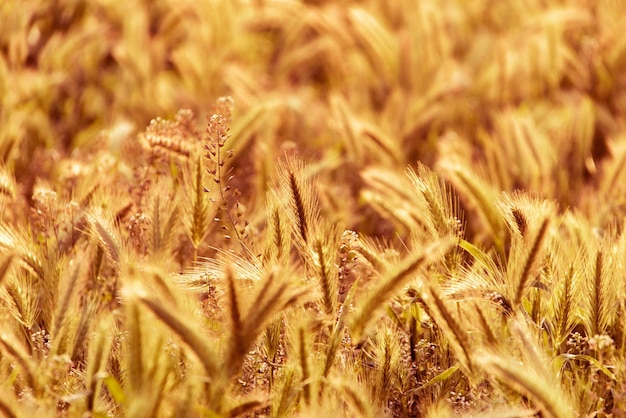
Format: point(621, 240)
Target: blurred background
point(526, 94)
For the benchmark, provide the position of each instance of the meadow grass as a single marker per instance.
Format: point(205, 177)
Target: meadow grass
point(359, 208)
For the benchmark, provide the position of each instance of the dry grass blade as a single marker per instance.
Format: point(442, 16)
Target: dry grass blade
point(392, 282)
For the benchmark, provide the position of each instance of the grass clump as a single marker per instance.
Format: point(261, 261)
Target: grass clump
point(392, 208)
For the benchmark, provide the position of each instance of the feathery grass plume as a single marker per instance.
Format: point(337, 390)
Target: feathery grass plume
point(270, 349)
point(70, 287)
point(303, 204)
point(238, 344)
point(528, 220)
point(278, 242)
point(356, 398)
point(533, 256)
point(269, 296)
point(374, 252)
point(443, 206)
point(392, 281)
point(391, 194)
point(452, 325)
point(147, 370)
point(323, 249)
point(275, 295)
point(13, 242)
point(103, 229)
point(286, 392)
point(479, 195)
point(563, 303)
point(487, 333)
point(22, 298)
point(212, 269)
point(603, 291)
point(164, 217)
point(336, 336)
point(386, 353)
point(196, 210)
point(197, 342)
point(529, 376)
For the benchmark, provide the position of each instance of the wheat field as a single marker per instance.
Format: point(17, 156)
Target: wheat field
point(312, 208)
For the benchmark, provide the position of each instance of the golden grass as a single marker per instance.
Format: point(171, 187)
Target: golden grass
point(392, 208)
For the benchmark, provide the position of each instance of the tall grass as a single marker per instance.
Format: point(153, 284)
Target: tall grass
point(392, 208)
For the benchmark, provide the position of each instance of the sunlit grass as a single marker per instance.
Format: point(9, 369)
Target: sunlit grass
point(312, 208)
